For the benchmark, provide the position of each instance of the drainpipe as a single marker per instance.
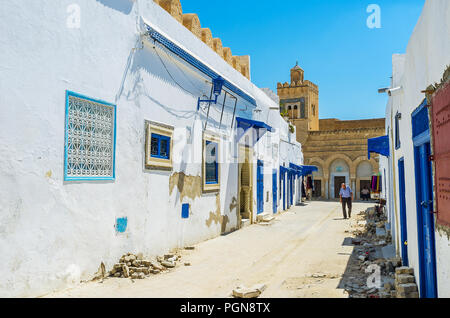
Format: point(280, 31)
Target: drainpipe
point(397, 249)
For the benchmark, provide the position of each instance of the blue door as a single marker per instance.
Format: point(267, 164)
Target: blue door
point(260, 187)
point(424, 202)
point(425, 221)
point(403, 227)
point(283, 184)
point(274, 190)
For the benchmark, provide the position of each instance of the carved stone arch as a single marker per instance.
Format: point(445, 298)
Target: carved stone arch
point(358, 160)
point(321, 162)
point(334, 157)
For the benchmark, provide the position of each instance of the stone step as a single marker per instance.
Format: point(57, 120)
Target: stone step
point(245, 222)
point(265, 217)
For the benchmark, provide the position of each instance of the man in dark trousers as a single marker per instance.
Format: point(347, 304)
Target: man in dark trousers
point(346, 195)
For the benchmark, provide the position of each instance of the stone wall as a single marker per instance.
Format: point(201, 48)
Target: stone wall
point(192, 23)
point(340, 152)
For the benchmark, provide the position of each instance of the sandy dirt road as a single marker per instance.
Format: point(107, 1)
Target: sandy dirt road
point(300, 254)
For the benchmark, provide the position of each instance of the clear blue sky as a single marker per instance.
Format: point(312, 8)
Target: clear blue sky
point(329, 38)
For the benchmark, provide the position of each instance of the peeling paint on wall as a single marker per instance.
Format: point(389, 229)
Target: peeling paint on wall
point(188, 186)
point(216, 216)
point(443, 230)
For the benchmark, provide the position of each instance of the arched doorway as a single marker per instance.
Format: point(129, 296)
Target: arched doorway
point(339, 173)
point(319, 185)
point(363, 174)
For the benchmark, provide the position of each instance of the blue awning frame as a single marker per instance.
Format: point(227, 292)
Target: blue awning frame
point(307, 170)
point(158, 37)
point(379, 145)
point(303, 170)
point(244, 125)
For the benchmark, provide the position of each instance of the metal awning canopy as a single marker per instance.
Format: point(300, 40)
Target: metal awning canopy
point(257, 128)
point(303, 170)
point(379, 145)
point(189, 58)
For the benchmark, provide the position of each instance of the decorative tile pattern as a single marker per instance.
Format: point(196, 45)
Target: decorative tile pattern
point(90, 139)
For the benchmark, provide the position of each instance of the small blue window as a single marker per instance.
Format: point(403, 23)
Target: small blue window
point(211, 163)
point(398, 116)
point(185, 211)
point(160, 147)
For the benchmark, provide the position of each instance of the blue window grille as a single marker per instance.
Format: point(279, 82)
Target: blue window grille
point(160, 147)
point(211, 163)
point(90, 139)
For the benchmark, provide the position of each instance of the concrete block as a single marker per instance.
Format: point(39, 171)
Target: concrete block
point(405, 279)
point(404, 270)
point(406, 288)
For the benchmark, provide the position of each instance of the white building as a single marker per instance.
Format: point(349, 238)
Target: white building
point(106, 150)
point(417, 186)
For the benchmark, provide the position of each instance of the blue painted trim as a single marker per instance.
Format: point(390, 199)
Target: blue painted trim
point(422, 138)
point(403, 216)
point(121, 225)
point(155, 35)
point(66, 178)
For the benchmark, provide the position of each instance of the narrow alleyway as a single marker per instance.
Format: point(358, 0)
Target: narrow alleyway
point(302, 253)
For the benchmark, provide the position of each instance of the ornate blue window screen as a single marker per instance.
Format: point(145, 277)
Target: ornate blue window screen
point(211, 163)
point(160, 147)
point(379, 145)
point(90, 138)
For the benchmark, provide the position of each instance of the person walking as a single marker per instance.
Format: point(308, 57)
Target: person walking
point(346, 195)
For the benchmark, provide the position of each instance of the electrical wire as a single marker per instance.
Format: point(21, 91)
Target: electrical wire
point(175, 81)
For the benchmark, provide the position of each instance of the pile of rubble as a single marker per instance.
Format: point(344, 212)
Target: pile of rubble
point(136, 267)
point(372, 246)
point(405, 283)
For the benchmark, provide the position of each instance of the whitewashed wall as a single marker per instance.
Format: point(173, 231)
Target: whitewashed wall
point(426, 58)
point(55, 233)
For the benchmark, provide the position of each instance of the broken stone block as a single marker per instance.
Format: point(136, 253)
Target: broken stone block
point(404, 270)
point(405, 279)
point(172, 259)
point(135, 276)
point(167, 256)
point(397, 262)
point(155, 271)
point(189, 248)
point(141, 275)
point(243, 292)
point(187, 264)
point(117, 274)
point(168, 264)
point(157, 266)
point(406, 288)
point(125, 271)
point(140, 256)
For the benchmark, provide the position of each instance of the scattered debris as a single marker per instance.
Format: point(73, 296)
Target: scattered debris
point(136, 267)
point(253, 292)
